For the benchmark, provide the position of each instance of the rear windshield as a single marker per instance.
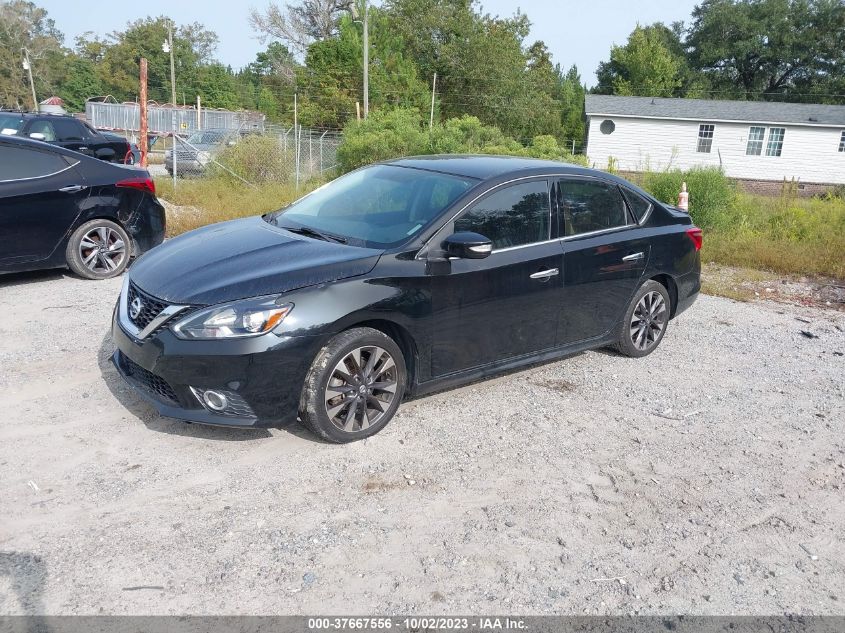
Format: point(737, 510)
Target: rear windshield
point(206, 138)
point(10, 123)
point(379, 206)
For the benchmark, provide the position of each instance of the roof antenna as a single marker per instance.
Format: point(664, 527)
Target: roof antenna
point(652, 101)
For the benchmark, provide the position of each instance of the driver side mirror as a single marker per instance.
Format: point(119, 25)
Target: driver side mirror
point(467, 245)
point(38, 136)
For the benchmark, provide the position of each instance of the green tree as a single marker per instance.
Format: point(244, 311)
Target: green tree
point(193, 46)
point(24, 25)
point(570, 95)
point(482, 63)
point(332, 80)
point(218, 87)
point(268, 83)
point(775, 47)
point(80, 82)
point(644, 66)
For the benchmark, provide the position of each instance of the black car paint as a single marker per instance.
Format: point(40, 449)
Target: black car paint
point(246, 258)
point(455, 320)
point(91, 142)
point(37, 218)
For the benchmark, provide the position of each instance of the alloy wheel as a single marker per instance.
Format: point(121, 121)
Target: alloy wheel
point(361, 388)
point(648, 320)
point(102, 249)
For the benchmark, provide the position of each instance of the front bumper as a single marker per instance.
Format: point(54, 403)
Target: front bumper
point(265, 374)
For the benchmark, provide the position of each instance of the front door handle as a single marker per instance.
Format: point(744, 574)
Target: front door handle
point(633, 257)
point(545, 274)
point(72, 189)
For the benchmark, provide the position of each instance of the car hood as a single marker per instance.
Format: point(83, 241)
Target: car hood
point(244, 258)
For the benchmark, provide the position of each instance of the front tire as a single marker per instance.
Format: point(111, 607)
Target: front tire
point(354, 386)
point(98, 249)
point(646, 320)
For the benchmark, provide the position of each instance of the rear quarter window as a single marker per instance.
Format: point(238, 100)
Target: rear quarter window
point(20, 163)
point(639, 206)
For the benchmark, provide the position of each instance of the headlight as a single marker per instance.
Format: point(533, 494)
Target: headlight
point(251, 317)
point(203, 157)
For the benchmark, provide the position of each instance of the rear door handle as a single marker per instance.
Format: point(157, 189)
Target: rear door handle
point(633, 257)
point(72, 189)
point(545, 274)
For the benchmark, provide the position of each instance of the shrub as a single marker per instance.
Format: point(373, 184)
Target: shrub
point(399, 132)
point(256, 159)
point(711, 193)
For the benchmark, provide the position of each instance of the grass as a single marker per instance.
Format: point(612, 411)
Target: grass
point(784, 235)
point(208, 200)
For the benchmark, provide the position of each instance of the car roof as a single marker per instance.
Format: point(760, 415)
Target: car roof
point(12, 139)
point(485, 166)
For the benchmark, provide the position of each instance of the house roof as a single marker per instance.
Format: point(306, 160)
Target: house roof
point(713, 110)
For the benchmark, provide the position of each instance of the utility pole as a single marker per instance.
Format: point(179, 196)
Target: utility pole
point(143, 114)
point(433, 92)
point(167, 47)
point(28, 67)
point(366, 62)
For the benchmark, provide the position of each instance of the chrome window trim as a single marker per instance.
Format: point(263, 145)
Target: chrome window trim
point(423, 252)
point(513, 248)
point(54, 173)
point(129, 327)
point(579, 236)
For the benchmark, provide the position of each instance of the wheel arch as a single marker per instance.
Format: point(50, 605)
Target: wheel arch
point(671, 287)
point(402, 337)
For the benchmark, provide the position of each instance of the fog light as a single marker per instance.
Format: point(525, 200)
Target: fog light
point(215, 400)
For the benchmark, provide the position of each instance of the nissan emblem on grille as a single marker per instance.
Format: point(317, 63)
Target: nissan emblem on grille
point(135, 307)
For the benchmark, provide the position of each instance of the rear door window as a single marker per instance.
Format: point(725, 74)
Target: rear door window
point(588, 206)
point(70, 130)
point(20, 163)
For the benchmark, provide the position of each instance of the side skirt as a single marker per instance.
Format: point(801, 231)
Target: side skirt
point(457, 379)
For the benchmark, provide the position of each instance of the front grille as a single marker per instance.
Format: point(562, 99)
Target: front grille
point(154, 385)
point(150, 306)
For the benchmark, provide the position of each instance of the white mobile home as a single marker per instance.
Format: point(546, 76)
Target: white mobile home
point(760, 144)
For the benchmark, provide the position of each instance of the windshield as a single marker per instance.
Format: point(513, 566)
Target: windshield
point(206, 138)
point(379, 206)
point(10, 123)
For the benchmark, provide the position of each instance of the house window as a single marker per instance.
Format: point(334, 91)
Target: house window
point(775, 144)
point(705, 138)
point(755, 141)
point(842, 142)
point(607, 126)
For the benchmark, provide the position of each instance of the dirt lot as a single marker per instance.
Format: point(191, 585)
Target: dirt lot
point(707, 478)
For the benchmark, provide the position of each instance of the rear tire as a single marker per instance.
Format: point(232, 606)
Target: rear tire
point(354, 386)
point(646, 320)
point(99, 249)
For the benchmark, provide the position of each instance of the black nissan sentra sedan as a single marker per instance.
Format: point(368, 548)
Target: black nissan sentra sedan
point(398, 279)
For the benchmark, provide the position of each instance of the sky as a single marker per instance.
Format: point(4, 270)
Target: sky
point(578, 33)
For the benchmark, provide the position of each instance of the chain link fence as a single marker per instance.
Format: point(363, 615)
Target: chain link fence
point(211, 143)
point(275, 154)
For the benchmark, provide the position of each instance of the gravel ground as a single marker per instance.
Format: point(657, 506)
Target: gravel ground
point(707, 478)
